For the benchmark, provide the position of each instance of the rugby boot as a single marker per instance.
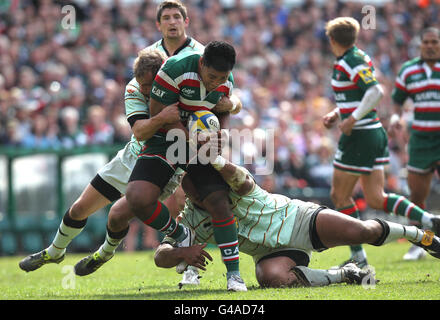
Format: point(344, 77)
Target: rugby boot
point(37, 260)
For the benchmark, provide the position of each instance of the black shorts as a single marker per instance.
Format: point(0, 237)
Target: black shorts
point(299, 257)
point(105, 188)
point(204, 177)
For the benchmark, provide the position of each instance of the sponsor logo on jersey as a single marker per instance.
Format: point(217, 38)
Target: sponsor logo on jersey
point(188, 92)
point(158, 92)
point(366, 75)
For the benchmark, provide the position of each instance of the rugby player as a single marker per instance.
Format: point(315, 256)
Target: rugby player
point(419, 80)
point(363, 146)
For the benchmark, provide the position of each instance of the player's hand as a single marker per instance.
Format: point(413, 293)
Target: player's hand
point(213, 141)
point(395, 126)
point(347, 125)
point(330, 119)
point(196, 255)
point(170, 114)
point(223, 105)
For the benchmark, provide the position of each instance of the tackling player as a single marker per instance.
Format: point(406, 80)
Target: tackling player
point(419, 80)
point(280, 233)
point(363, 146)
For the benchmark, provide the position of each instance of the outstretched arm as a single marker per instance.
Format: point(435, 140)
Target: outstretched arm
point(167, 256)
point(237, 177)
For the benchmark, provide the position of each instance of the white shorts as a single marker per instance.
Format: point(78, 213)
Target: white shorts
point(301, 238)
point(118, 171)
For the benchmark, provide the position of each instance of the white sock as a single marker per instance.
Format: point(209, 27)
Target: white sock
point(426, 220)
point(64, 236)
point(317, 277)
point(108, 248)
point(398, 231)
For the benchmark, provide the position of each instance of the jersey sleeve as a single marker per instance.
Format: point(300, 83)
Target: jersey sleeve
point(400, 93)
point(164, 89)
point(363, 76)
point(135, 102)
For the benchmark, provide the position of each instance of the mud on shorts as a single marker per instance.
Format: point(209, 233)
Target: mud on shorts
point(363, 151)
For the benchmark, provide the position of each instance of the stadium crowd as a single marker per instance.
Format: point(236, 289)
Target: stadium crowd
point(62, 87)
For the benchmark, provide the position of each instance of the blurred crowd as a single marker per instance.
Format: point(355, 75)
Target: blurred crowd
point(63, 87)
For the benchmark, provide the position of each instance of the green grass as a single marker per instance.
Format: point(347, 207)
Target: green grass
point(134, 276)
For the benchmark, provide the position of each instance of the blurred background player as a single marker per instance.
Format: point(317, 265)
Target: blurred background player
point(363, 146)
point(419, 79)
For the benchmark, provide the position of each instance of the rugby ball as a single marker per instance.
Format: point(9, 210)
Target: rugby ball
point(203, 120)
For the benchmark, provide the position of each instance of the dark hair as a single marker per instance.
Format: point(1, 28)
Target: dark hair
point(168, 4)
point(219, 55)
point(430, 30)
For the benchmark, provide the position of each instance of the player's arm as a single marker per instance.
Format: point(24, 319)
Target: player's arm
point(373, 92)
point(168, 256)
point(143, 128)
point(369, 101)
point(237, 177)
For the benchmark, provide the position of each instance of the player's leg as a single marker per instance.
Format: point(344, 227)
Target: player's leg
point(373, 187)
point(289, 268)
point(148, 179)
point(214, 194)
point(343, 184)
point(419, 185)
point(95, 196)
point(330, 229)
point(117, 228)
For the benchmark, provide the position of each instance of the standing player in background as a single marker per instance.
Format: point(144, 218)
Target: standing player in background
point(419, 80)
point(363, 146)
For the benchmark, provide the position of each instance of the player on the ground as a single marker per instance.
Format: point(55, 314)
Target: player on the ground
point(196, 82)
point(419, 80)
point(363, 146)
point(280, 233)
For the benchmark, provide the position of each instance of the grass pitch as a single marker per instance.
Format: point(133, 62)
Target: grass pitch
point(133, 276)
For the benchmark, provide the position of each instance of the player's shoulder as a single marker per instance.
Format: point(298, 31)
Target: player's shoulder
point(181, 63)
point(355, 57)
point(132, 89)
point(196, 46)
point(155, 46)
point(410, 63)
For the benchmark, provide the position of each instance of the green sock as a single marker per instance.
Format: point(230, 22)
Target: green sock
point(162, 221)
point(401, 206)
point(225, 234)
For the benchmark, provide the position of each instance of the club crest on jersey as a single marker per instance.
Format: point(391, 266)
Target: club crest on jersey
point(366, 75)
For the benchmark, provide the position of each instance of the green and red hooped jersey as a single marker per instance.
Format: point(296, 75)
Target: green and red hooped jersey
point(178, 81)
point(417, 81)
point(353, 74)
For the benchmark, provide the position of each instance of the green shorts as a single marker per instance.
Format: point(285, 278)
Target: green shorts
point(363, 151)
point(173, 153)
point(424, 151)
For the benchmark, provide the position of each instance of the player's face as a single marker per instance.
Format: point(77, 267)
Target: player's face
point(212, 78)
point(172, 24)
point(430, 47)
point(145, 83)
